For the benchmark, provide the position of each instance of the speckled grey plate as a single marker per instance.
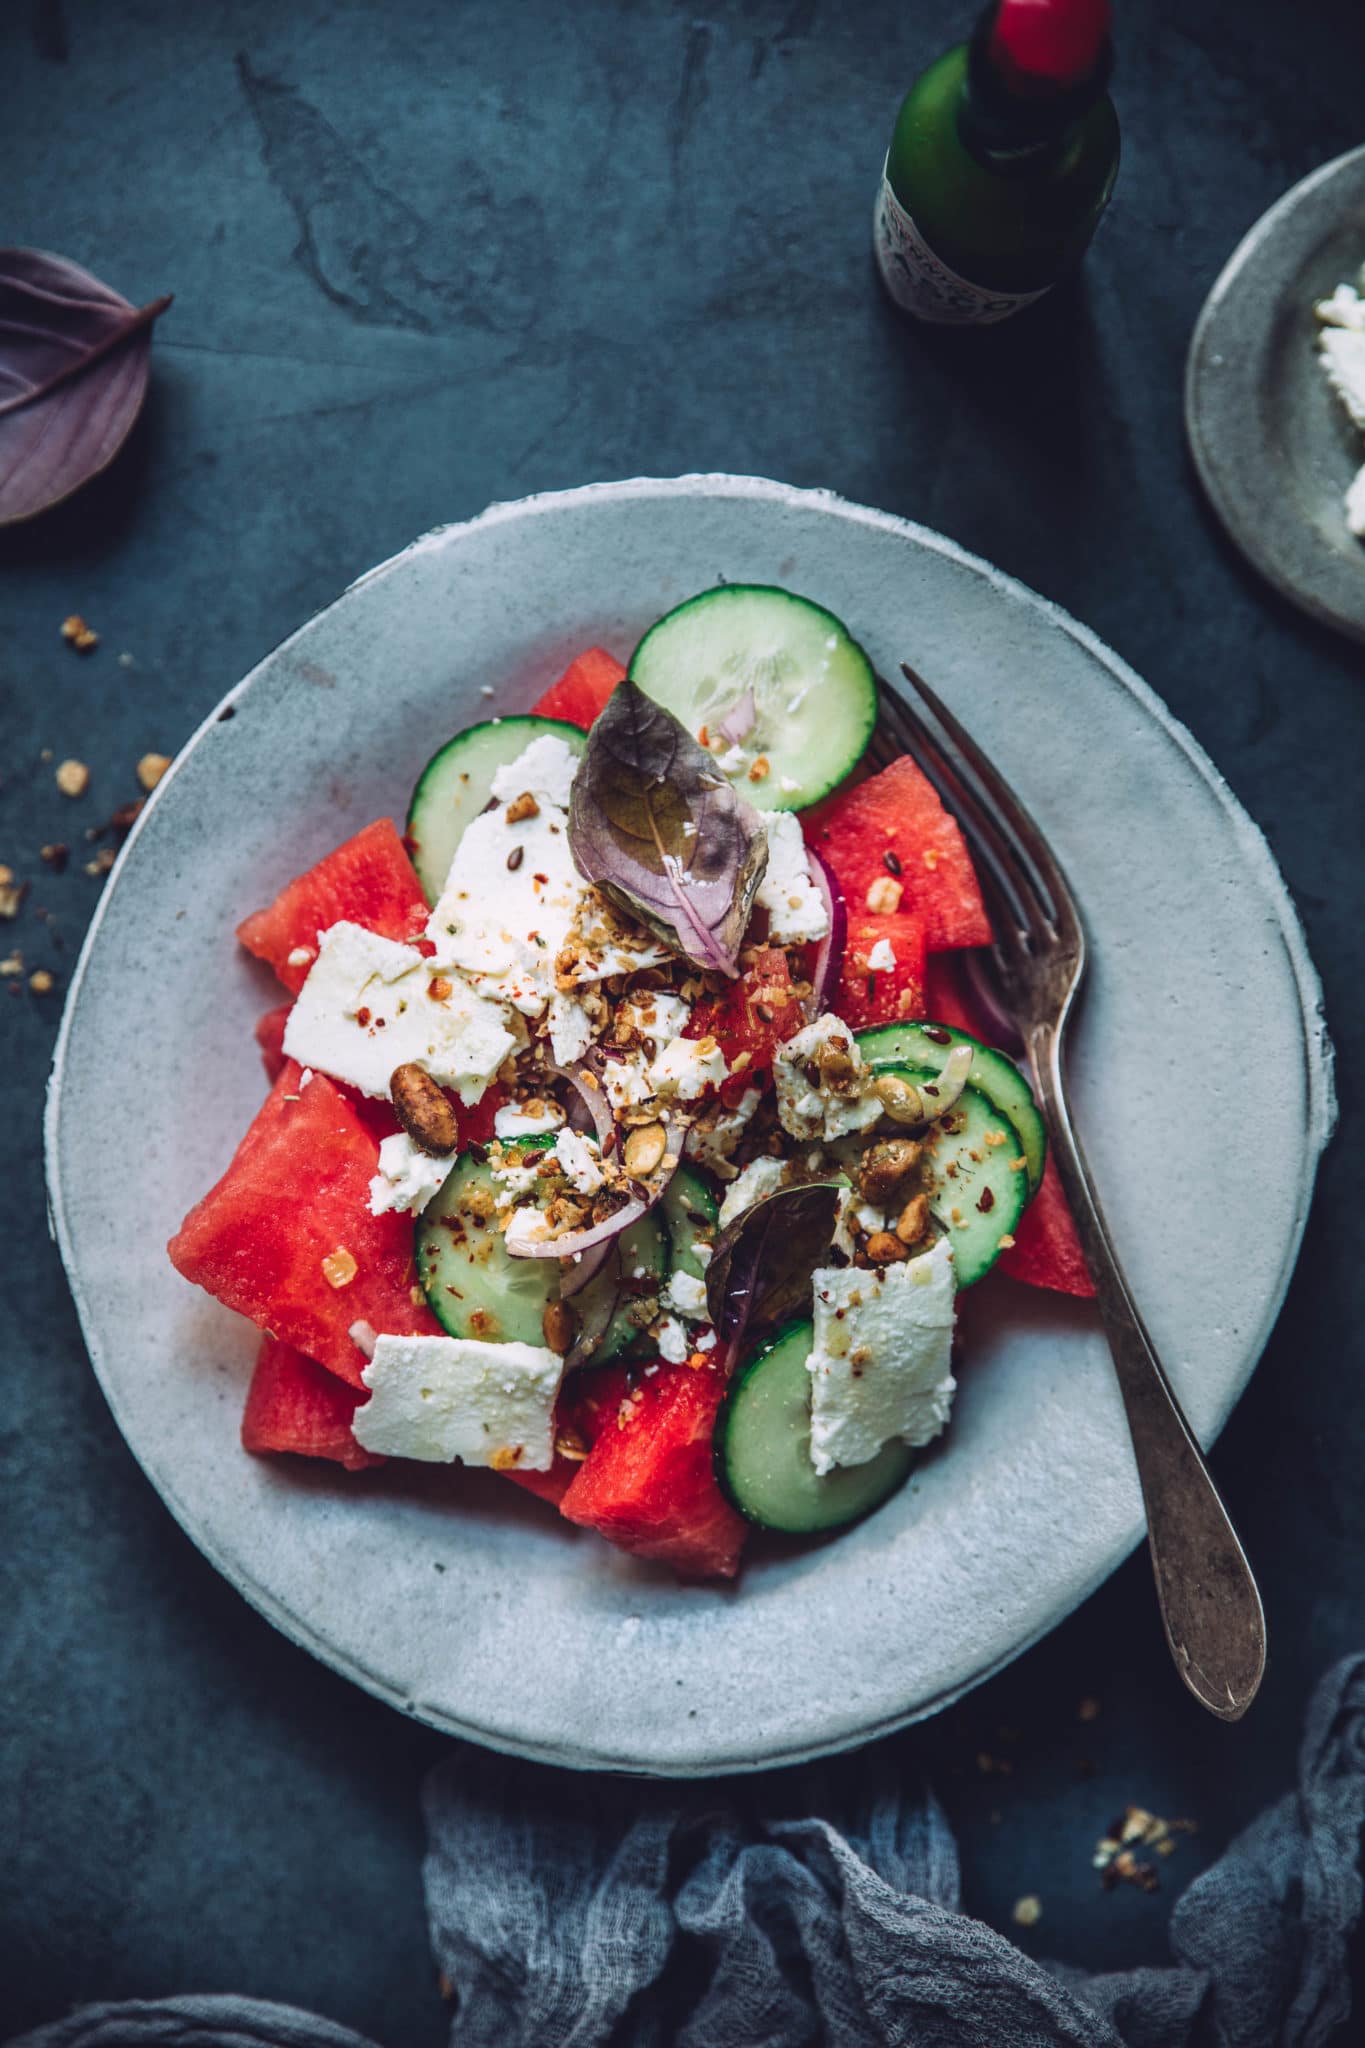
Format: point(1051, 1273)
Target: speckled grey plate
point(1272, 445)
point(451, 1594)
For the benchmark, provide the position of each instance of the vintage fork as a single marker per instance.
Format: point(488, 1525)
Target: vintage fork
point(1210, 1607)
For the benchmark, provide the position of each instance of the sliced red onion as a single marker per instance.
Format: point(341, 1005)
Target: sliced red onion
point(572, 1242)
point(595, 1311)
point(585, 1267)
point(829, 957)
point(740, 720)
point(939, 1095)
point(587, 1085)
point(978, 974)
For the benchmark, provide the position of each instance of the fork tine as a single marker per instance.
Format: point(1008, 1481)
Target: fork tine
point(1011, 813)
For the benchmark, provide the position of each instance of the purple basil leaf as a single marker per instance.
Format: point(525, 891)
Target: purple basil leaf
point(74, 359)
point(657, 827)
point(759, 1273)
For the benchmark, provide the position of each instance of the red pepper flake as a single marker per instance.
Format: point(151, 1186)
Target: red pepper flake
point(987, 1202)
point(439, 989)
point(362, 1018)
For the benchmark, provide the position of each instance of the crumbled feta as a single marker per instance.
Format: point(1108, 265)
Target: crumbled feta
point(442, 1398)
point(518, 1174)
point(603, 942)
point(1345, 308)
point(509, 903)
point(672, 1340)
point(581, 1160)
point(686, 1296)
point(852, 1209)
point(732, 761)
point(1355, 504)
point(1343, 360)
point(881, 1360)
point(788, 785)
point(816, 1110)
point(546, 768)
point(882, 958)
point(761, 1177)
point(796, 909)
point(688, 1067)
point(712, 1142)
point(513, 1120)
point(370, 1005)
point(304, 1078)
point(626, 1081)
point(656, 1014)
point(525, 1226)
point(704, 1340)
point(571, 1029)
point(407, 1178)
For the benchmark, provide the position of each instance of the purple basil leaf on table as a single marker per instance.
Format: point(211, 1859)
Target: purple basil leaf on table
point(759, 1273)
point(658, 828)
point(74, 360)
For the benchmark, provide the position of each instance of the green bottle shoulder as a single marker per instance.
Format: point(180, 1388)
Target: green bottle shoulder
point(1018, 232)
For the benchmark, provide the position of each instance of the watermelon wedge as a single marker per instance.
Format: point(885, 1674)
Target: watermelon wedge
point(297, 1194)
point(295, 1404)
point(1046, 1251)
point(583, 688)
point(648, 1483)
point(881, 995)
point(893, 829)
point(756, 1014)
point(368, 880)
point(949, 998)
point(270, 1038)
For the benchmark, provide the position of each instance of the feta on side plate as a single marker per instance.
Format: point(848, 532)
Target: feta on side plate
point(442, 1398)
point(881, 1362)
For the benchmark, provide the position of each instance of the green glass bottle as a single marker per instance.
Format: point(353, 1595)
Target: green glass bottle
point(1003, 159)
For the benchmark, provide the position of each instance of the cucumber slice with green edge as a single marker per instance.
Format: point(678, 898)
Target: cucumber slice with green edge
point(762, 1447)
point(690, 1215)
point(814, 690)
point(457, 783)
point(928, 1046)
point(978, 1186)
point(644, 1262)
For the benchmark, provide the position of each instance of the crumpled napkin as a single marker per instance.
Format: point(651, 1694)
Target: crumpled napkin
point(588, 1913)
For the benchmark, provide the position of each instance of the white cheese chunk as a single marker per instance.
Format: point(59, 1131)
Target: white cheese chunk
point(760, 1178)
point(546, 769)
point(370, 1005)
point(672, 1340)
point(1355, 504)
point(656, 1014)
point(796, 909)
point(814, 1109)
point(626, 1081)
point(733, 761)
point(686, 1296)
point(525, 1226)
point(442, 1398)
point(604, 942)
point(1345, 308)
point(713, 1140)
point(581, 1160)
point(514, 1120)
point(407, 1178)
point(508, 904)
point(882, 958)
point(688, 1067)
point(571, 1029)
point(881, 1361)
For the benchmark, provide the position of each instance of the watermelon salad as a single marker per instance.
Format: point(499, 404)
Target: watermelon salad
point(635, 1119)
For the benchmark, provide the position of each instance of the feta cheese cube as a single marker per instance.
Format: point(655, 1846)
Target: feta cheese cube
point(881, 1360)
point(686, 1296)
point(688, 1067)
point(712, 1141)
point(442, 1398)
point(509, 903)
point(796, 909)
point(626, 1081)
point(581, 1159)
point(370, 1005)
point(816, 1109)
point(571, 1030)
point(760, 1178)
point(546, 768)
point(407, 1178)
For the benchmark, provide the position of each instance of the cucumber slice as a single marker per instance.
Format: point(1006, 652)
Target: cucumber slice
point(456, 784)
point(814, 691)
point(690, 1215)
point(975, 1156)
point(928, 1045)
point(762, 1447)
point(473, 1286)
point(644, 1262)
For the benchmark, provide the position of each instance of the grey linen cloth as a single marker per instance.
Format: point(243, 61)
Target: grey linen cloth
point(589, 1913)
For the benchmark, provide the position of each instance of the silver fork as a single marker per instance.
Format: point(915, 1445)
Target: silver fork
point(1210, 1607)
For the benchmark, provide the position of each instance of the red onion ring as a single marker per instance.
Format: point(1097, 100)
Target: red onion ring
point(585, 1267)
point(581, 1077)
point(829, 955)
point(595, 1314)
point(740, 720)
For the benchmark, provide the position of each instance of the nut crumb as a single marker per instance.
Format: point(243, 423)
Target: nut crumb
point(507, 1459)
point(12, 893)
point(523, 806)
point(78, 635)
point(759, 768)
point(102, 862)
point(1088, 1709)
point(55, 856)
point(12, 966)
point(73, 778)
point(41, 982)
point(339, 1267)
point(1028, 1911)
point(151, 768)
point(884, 895)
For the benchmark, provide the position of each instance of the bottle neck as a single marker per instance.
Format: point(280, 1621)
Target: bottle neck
point(1021, 130)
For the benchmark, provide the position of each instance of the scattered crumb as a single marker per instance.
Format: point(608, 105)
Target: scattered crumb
point(46, 754)
point(73, 778)
point(1116, 1857)
point(78, 635)
point(151, 768)
point(12, 893)
point(1028, 1911)
point(993, 1766)
point(102, 862)
point(41, 982)
point(1088, 1710)
point(126, 661)
point(339, 1267)
point(487, 690)
point(12, 966)
point(56, 855)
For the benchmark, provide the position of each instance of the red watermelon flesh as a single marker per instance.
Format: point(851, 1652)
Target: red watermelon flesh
point(588, 1400)
point(270, 1038)
point(298, 1191)
point(1046, 1251)
point(583, 689)
point(756, 1014)
point(949, 998)
point(369, 880)
point(295, 1404)
point(897, 814)
point(648, 1483)
point(886, 995)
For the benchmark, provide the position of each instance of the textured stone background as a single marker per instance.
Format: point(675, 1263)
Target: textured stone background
point(426, 256)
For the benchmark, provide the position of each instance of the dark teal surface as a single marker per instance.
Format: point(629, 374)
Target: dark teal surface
point(426, 256)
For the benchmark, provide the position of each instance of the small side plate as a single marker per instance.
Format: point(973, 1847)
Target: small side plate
point(1273, 448)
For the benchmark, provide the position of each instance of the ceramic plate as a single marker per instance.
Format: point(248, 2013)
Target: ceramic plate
point(452, 1595)
point(1271, 443)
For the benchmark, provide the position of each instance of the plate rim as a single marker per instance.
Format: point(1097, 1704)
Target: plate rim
point(1317, 1054)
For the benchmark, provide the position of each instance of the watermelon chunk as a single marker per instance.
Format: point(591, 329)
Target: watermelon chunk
point(757, 1013)
point(297, 1191)
point(583, 689)
point(648, 1483)
point(1046, 1251)
point(270, 1038)
point(295, 1404)
point(897, 813)
point(369, 880)
point(949, 998)
point(886, 995)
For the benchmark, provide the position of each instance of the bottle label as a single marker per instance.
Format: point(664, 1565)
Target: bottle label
point(922, 283)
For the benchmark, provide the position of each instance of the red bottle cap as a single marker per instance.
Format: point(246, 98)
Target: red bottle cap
point(1049, 42)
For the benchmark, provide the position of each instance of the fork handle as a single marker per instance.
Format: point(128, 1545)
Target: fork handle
point(1210, 1607)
